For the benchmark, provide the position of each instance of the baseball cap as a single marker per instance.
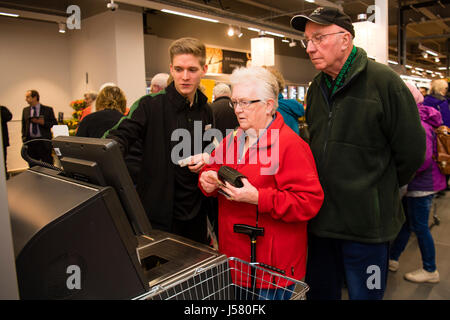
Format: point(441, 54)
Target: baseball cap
point(325, 16)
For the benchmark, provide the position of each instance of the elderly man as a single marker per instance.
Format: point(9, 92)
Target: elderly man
point(224, 116)
point(367, 141)
point(159, 82)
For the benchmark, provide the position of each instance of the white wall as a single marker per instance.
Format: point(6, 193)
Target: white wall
point(33, 55)
point(109, 48)
point(92, 52)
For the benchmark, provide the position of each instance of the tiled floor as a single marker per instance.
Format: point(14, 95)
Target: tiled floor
point(400, 289)
point(410, 260)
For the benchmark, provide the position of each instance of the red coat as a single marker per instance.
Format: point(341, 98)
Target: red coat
point(281, 166)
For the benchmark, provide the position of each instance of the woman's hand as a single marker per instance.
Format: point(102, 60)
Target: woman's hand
point(248, 193)
point(209, 181)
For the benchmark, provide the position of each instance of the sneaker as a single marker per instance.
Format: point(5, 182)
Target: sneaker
point(421, 276)
point(393, 265)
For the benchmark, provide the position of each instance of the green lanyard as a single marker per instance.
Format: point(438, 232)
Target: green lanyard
point(337, 83)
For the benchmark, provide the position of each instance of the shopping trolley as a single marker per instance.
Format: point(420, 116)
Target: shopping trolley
point(230, 279)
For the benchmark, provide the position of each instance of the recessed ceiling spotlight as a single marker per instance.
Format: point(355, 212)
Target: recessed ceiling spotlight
point(62, 27)
point(230, 31)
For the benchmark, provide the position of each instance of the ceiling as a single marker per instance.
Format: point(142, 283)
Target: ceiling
point(426, 23)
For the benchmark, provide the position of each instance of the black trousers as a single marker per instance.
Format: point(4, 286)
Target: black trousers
point(40, 150)
point(194, 229)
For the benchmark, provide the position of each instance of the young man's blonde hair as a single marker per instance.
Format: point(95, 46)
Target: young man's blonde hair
point(188, 46)
point(111, 98)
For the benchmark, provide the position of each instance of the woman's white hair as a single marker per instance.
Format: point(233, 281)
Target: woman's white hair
point(260, 78)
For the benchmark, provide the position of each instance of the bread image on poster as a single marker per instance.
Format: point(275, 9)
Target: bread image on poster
point(214, 59)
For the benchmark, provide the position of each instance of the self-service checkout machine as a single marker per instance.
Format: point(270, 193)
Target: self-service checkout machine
point(82, 233)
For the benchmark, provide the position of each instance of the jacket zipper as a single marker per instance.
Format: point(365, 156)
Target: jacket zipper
point(330, 112)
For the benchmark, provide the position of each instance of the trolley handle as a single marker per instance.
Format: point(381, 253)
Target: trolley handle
point(271, 268)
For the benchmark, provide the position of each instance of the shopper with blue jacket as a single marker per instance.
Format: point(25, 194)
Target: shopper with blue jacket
point(417, 202)
point(290, 109)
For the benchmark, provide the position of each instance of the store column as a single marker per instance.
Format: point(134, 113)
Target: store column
point(381, 19)
point(8, 276)
point(109, 47)
point(130, 59)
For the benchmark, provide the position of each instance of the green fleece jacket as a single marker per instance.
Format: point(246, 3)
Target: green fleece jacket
point(367, 141)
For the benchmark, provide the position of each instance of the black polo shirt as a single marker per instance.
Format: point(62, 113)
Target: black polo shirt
point(188, 197)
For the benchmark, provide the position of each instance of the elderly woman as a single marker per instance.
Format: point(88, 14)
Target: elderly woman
point(110, 105)
point(281, 191)
point(89, 99)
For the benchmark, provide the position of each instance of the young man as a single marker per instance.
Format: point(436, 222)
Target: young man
point(168, 191)
point(367, 140)
point(37, 121)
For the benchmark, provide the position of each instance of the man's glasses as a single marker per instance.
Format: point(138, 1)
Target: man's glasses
point(317, 39)
point(244, 104)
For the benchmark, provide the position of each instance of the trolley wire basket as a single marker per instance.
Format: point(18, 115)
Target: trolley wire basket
point(231, 279)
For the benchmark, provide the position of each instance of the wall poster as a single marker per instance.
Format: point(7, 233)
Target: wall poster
point(225, 61)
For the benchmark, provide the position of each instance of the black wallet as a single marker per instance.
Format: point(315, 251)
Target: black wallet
point(231, 176)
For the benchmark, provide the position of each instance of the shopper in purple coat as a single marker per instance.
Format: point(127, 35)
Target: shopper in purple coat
point(417, 202)
point(438, 99)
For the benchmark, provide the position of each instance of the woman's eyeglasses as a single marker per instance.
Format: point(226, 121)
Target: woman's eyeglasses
point(244, 104)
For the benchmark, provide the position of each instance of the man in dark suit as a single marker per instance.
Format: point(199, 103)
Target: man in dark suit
point(37, 120)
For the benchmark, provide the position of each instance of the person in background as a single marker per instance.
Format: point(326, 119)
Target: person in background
point(290, 109)
point(417, 203)
point(110, 106)
point(362, 119)
point(169, 191)
point(224, 116)
point(438, 99)
point(159, 82)
point(37, 121)
point(423, 91)
point(89, 99)
point(279, 194)
point(6, 116)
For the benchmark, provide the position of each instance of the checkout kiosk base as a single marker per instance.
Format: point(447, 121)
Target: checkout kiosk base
point(72, 240)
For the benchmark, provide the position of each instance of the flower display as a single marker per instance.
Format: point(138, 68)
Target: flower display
point(78, 107)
